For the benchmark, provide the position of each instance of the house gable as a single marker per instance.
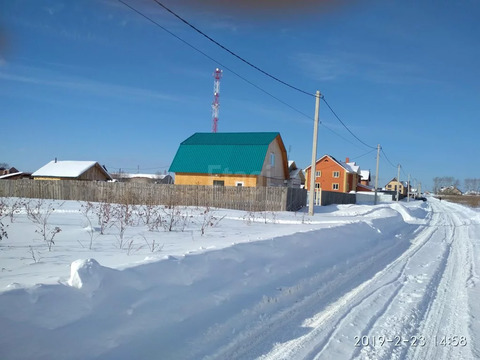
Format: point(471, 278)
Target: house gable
point(78, 170)
point(334, 175)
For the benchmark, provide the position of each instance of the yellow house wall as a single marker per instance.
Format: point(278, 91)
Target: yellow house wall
point(46, 178)
point(391, 186)
point(207, 179)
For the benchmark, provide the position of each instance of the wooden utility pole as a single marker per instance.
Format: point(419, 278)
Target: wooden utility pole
point(398, 180)
point(376, 173)
point(314, 155)
point(408, 188)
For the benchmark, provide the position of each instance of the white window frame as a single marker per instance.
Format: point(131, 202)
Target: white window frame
point(239, 183)
point(272, 159)
point(336, 174)
point(318, 173)
point(337, 187)
point(317, 185)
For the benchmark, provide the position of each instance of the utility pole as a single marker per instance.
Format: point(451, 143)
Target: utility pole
point(419, 189)
point(398, 180)
point(408, 189)
point(314, 155)
point(376, 173)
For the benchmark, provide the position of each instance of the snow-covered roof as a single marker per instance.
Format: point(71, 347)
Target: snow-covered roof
point(11, 175)
point(66, 169)
point(297, 172)
point(365, 174)
point(148, 176)
point(351, 167)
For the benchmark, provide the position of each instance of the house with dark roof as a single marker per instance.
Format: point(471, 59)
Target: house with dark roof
point(401, 186)
point(297, 177)
point(334, 175)
point(72, 170)
point(231, 159)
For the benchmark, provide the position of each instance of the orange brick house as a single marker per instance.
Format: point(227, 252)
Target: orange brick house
point(334, 175)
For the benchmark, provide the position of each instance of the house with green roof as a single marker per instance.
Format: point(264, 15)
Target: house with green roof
point(231, 159)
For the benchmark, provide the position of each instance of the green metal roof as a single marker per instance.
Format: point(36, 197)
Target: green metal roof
point(223, 153)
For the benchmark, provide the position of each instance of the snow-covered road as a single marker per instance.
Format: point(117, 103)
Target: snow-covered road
point(423, 305)
point(394, 281)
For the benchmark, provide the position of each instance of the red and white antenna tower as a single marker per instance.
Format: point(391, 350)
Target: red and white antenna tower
point(217, 75)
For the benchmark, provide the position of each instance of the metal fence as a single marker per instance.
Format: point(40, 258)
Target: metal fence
point(238, 198)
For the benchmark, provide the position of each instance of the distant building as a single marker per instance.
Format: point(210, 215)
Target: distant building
point(297, 177)
point(72, 170)
point(144, 178)
point(449, 190)
point(334, 175)
point(402, 187)
point(6, 171)
point(231, 159)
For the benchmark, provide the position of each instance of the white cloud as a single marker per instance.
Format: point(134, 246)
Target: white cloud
point(339, 65)
point(91, 87)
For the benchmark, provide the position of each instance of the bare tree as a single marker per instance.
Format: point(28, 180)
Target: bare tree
point(443, 182)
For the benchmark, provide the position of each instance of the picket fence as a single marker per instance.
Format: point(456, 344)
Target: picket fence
point(237, 198)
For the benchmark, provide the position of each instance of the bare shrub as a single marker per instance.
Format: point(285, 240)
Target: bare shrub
point(249, 217)
point(152, 245)
point(103, 211)
point(174, 218)
point(39, 213)
point(152, 217)
point(123, 217)
point(3, 214)
point(34, 254)
point(86, 209)
point(209, 219)
point(16, 208)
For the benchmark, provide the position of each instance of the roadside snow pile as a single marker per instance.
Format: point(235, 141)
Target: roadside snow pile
point(87, 275)
point(416, 214)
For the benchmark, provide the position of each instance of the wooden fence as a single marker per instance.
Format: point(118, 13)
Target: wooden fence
point(323, 197)
point(238, 198)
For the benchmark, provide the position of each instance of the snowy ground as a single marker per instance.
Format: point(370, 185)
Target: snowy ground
point(393, 281)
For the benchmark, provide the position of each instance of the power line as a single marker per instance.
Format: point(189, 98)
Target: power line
point(386, 157)
point(358, 157)
point(233, 53)
point(214, 60)
point(247, 62)
point(345, 126)
point(256, 67)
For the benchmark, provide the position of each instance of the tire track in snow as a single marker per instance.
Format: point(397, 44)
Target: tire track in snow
point(406, 323)
point(448, 314)
point(316, 353)
point(315, 340)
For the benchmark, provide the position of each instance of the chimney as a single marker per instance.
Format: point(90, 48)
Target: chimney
point(55, 160)
point(347, 160)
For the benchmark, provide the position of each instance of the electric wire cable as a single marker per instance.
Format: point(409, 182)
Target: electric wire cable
point(214, 60)
point(345, 126)
point(231, 52)
point(240, 76)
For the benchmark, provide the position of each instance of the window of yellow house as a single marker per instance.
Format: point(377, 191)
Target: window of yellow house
point(272, 159)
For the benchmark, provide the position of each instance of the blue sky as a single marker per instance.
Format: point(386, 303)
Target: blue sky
point(93, 80)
